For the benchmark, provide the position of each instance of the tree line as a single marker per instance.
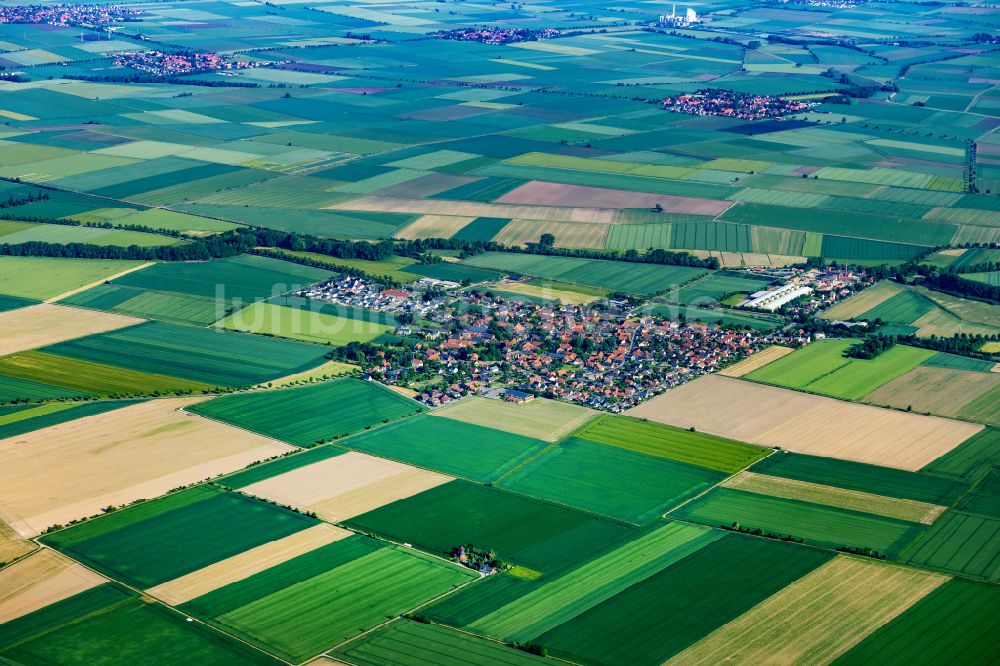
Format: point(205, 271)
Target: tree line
point(961, 344)
point(871, 346)
point(247, 239)
point(13, 200)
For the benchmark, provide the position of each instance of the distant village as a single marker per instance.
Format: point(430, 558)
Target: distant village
point(830, 4)
point(710, 102)
point(160, 63)
point(609, 355)
point(497, 35)
point(67, 15)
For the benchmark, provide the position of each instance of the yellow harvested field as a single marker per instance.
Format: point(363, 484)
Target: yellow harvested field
point(14, 115)
point(748, 259)
point(41, 579)
point(246, 564)
point(942, 323)
point(941, 391)
point(473, 209)
point(434, 226)
point(11, 545)
point(327, 370)
point(756, 361)
point(402, 390)
point(540, 418)
point(879, 505)
point(73, 470)
point(860, 303)
point(806, 423)
point(548, 293)
point(956, 315)
point(991, 348)
point(47, 324)
point(817, 618)
point(346, 486)
point(568, 234)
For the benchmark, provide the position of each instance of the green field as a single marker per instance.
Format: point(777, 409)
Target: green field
point(969, 458)
point(289, 611)
point(903, 308)
point(25, 418)
point(821, 367)
point(692, 597)
point(615, 276)
point(449, 446)
point(244, 278)
point(475, 601)
point(79, 631)
point(716, 287)
point(391, 140)
point(164, 539)
point(722, 316)
point(14, 302)
point(984, 498)
point(561, 599)
point(183, 308)
point(13, 389)
point(302, 458)
point(324, 411)
point(609, 480)
point(89, 377)
point(960, 543)
point(201, 355)
point(695, 448)
point(289, 573)
point(270, 319)
point(955, 362)
point(336, 310)
point(814, 523)
point(64, 233)
point(42, 277)
point(861, 477)
point(408, 643)
point(954, 623)
point(537, 535)
point(454, 272)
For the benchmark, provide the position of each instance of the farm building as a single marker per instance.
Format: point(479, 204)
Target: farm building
point(518, 397)
point(772, 299)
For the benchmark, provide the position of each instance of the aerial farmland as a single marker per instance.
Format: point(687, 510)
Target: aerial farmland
point(445, 333)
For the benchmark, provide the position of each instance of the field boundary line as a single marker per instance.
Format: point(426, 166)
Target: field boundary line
point(973, 486)
point(36, 547)
point(411, 611)
point(99, 282)
point(142, 594)
point(667, 515)
point(493, 484)
point(457, 630)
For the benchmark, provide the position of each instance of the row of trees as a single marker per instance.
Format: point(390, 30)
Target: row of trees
point(961, 344)
point(187, 252)
point(871, 346)
point(14, 200)
point(936, 278)
point(982, 267)
point(955, 284)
